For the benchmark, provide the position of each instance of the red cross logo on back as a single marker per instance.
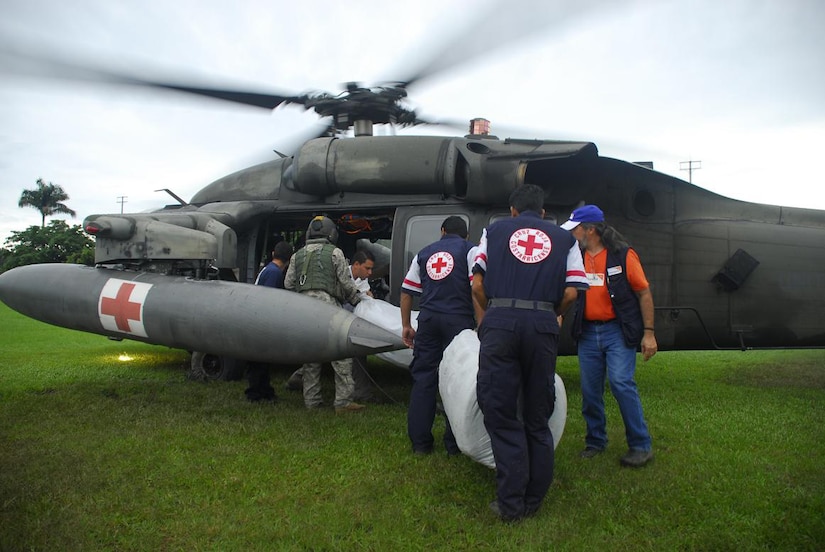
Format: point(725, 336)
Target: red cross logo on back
point(439, 265)
point(120, 307)
point(530, 245)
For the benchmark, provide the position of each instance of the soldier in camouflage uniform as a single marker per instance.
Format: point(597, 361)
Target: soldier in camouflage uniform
point(321, 271)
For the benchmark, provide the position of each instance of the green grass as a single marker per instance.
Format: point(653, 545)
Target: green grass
point(99, 454)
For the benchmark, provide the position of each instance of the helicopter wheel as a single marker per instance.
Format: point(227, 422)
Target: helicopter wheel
point(206, 367)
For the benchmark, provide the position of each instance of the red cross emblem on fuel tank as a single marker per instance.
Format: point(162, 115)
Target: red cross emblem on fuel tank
point(439, 265)
point(530, 245)
point(120, 307)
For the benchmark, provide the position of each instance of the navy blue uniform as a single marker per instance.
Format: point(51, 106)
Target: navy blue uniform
point(440, 274)
point(257, 373)
point(271, 276)
point(526, 264)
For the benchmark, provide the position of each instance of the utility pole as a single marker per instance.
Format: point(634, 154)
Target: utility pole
point(121, 200)
point(690, 166)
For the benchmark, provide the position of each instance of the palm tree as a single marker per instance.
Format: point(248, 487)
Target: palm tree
point(47, 199)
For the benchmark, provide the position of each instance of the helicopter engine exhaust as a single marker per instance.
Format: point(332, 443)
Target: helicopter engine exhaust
point(328, 165)
point(473, 168)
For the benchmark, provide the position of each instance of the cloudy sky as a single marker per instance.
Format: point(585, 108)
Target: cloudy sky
point(737, 85)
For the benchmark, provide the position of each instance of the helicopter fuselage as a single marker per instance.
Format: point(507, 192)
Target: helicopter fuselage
point(724, 273)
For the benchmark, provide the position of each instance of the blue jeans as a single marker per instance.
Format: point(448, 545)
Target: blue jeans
point(603, 352)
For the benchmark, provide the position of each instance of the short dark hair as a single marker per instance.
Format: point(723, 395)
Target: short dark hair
point(361, 256)
point(527, 197)
point(282, 251)
point(455, 225)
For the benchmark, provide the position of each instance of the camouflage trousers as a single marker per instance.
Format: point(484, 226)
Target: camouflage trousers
point(344, 384)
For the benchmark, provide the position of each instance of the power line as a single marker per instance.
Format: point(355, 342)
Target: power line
point(121, 200)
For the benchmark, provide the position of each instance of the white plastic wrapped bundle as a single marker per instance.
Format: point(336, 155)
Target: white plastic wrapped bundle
point(457, 385)
point(387, 316)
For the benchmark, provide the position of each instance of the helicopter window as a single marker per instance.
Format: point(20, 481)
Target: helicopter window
point(423, 230)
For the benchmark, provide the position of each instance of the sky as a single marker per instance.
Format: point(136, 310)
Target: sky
point(736, 86)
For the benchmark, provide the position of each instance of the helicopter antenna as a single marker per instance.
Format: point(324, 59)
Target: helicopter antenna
point(171, 193)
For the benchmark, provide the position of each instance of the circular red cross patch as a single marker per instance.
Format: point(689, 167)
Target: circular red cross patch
point(530, 245)
point(439, 265)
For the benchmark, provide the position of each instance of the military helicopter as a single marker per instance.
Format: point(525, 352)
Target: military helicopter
point(724, 273)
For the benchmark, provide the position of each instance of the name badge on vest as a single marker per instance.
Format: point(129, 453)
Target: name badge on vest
point(595, 279)
point(613, 270)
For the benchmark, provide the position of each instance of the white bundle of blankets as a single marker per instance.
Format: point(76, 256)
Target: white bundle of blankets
point(457, 383)
point(387, 316)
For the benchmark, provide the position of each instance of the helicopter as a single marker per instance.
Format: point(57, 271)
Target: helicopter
point(724, 273)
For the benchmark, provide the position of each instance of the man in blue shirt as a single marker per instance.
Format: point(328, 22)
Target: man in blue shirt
point(272, 275)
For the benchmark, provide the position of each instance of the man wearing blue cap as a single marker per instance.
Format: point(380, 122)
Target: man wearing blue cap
point(613, 317)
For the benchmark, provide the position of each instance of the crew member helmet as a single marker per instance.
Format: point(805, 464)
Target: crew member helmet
point(322, 227)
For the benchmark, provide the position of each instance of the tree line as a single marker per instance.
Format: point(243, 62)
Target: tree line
point(56, 243)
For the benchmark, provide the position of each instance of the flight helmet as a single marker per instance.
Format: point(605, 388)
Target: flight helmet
point(322, 227)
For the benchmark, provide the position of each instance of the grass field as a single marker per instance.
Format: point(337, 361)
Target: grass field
point(101, 454)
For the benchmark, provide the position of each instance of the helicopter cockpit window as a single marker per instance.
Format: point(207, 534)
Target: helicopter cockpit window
point(423, 230)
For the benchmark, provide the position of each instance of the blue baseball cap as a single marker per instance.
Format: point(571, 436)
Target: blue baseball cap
point(585, 213)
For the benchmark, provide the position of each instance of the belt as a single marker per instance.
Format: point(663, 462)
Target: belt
point(521, 304)
point(599, 322)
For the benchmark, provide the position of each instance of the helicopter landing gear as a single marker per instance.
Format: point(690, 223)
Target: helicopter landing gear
point(209, 367)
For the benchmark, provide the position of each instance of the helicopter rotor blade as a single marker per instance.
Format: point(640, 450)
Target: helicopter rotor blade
point(504, 23)
point(500, 25)
point(629, 146)
point(255, 99)
point(441, 122)
point(42, 65)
